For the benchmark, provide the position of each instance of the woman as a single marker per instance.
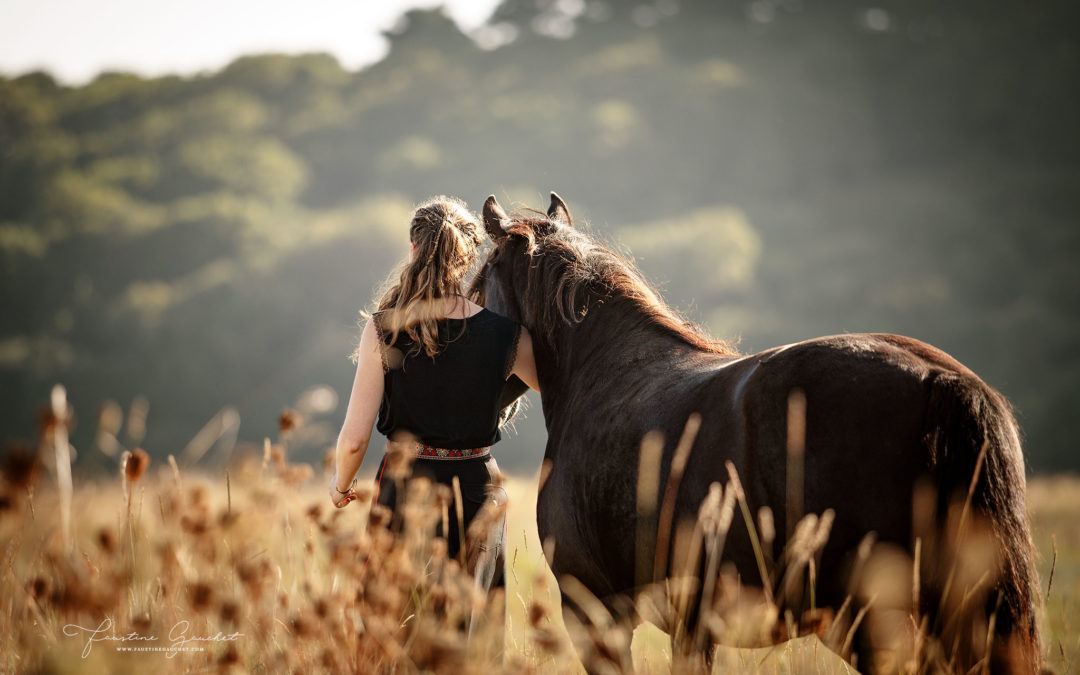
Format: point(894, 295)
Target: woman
point(431, 367)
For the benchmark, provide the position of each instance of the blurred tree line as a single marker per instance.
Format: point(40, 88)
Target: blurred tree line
point(780, 169)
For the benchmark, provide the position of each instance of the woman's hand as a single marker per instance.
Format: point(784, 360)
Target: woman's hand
point(341, 499)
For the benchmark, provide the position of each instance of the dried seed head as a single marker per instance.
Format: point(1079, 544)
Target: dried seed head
point(537, 613)
point(727, 509)
point(380, 516)
point(230, 658)
point(55, 415)
point(821, 534)
point(398, 462)
point(766, 525)
point(977, 553)
point(800, 546)
point(277, 457)
point(439, 547)
point(230, 613)
point(709, 511)
point(289, 420)
point(136, 464)
point(301, 626)
point(886, 578)
point(443, 494)
point(141, 623)
point(199, 496)
point(21, 464)
point(39, 587)
point(200, 595)
point(107, 540)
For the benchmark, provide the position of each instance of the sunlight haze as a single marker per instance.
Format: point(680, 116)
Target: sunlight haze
point(77, 40)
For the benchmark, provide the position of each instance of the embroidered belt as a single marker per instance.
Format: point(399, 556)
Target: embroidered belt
point(429, 452)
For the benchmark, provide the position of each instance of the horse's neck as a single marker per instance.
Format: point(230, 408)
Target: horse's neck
point(607, 348)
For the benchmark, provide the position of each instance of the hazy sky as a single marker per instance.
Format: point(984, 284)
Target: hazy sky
point(76, 39)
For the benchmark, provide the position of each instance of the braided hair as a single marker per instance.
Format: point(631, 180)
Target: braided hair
point(447, 237)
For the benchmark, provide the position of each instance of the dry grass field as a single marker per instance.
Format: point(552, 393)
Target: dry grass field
point(166, 570)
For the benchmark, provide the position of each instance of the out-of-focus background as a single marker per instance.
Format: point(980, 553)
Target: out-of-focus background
point(201, 234)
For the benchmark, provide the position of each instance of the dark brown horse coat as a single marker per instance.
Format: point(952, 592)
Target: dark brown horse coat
point(882, 413)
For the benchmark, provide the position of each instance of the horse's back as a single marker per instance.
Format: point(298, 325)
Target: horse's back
point(862, 403)
point(865, 402)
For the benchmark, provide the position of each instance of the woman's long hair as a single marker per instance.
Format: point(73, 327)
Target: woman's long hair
point(447, 237)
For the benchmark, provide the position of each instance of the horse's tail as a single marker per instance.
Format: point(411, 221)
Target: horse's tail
point(970, 429)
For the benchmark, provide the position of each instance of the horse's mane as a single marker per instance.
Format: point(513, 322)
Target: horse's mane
point(579, 271)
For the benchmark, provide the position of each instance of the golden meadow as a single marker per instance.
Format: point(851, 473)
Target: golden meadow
point(251, 569)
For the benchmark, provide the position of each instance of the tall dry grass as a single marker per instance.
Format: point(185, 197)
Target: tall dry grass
point(250, 569)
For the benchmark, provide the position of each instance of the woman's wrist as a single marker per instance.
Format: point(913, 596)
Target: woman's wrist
point(346, 490)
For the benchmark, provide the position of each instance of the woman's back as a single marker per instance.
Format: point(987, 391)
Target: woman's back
point(449, 400)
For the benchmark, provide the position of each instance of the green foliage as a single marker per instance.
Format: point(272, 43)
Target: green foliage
point(712, 249)
point(260, 167)
point(779, 170)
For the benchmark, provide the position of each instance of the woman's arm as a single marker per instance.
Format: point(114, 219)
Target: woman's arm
point(524, 362)
point(363, 408)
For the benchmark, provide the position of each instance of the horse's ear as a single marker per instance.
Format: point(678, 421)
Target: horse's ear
point(559, 211)
point(494, 217)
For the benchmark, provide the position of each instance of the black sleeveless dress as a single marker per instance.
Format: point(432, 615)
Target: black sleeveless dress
point(450, 400)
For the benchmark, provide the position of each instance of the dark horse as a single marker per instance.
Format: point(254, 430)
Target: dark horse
point(883, 415)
